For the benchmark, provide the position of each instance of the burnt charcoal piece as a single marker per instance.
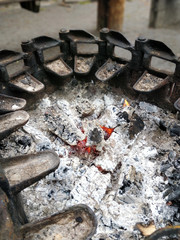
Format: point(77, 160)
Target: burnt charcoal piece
point(172, 193)
point(61, 125)
point(172, 156)
point(24, 141)
point(123, 115)
point(177, 163)
point(178, 142)
point(175, 130)
point(125, 187)
point(164, 166)
point(136, 125)
point(171, 171)
point(162, 125)
point(95, 136)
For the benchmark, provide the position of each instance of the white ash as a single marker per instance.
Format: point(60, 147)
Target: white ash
point(84, 107)
point(90, 192)
point(15, 107)
point(63, 126)
point(131, 188)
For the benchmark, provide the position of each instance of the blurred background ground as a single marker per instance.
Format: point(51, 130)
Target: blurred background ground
point(17, 24)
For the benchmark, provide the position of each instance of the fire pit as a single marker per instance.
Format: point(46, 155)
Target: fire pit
point(114, 129)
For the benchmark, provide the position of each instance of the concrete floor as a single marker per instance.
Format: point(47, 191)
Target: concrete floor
point(17, 24)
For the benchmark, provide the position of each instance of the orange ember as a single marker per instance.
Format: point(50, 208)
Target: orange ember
point(169, 203)
point(108, 131)
point(88, 149)
point(81, 148)
point(126, 104)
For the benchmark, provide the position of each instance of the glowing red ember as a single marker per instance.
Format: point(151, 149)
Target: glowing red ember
point(81, 148)
point(108, 131)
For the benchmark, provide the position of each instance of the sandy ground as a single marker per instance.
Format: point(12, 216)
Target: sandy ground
point(17, 24)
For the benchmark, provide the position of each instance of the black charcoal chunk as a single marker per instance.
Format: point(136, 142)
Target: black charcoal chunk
point(136, 125)
point(172, 155)
point(24, 141)
point(175, 130)
point(95, 136)
point(165, 166)
point(123, 115)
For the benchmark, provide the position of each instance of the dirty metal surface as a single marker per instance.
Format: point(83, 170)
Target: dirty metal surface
point(135, 77)
point(76, 223)
point(22, 171)
point(9, 122)
point(11, 104)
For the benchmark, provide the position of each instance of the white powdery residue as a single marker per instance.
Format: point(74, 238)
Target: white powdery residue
point(131, 193)
point(149, 152)
point(108, 100)
point(107, 162)
point(148, 107)
point(40, 139)
point(62, 151)
point(45, 103)
point(19, 118)
point(69, 110)
point(91, 188)
point(69, 171)
point(139, 157)
point(64, 106)
point(114, 147)
point(120, 215)
point(109, 118)
point(99, 107)
point(15, 107)
point(154, 198)
point(150, 193)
